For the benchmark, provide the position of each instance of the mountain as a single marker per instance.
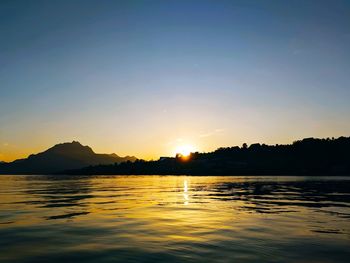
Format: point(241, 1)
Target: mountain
point(61, 157)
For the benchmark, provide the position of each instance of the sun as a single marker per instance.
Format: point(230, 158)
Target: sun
point(185, 150)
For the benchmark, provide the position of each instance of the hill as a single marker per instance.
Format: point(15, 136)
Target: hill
point(309, 156)
point(60, 157)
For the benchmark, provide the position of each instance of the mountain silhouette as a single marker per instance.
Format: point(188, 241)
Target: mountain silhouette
point(62, 156)
point(310, 156)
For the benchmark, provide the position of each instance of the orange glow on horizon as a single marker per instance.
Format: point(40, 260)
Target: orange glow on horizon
point(185, 150)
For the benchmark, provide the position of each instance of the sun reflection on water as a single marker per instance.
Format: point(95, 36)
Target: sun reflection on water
point(186, 192)
point(128, 218)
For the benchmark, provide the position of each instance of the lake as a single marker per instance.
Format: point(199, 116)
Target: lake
point(174, 219)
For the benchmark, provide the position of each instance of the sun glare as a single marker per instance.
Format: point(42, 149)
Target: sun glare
point(185, 150)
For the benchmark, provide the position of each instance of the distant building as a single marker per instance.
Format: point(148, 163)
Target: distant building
point(164, 158)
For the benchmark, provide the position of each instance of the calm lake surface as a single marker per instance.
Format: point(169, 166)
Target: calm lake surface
point(174, 219)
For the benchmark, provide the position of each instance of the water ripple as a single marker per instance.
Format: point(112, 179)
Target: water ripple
point(174, 219)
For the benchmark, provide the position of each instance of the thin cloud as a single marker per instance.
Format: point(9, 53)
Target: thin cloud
point(211, 133)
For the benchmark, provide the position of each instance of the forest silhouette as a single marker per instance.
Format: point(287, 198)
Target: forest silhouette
point(309, 156)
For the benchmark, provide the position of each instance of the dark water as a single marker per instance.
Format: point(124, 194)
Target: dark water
point(174, 219)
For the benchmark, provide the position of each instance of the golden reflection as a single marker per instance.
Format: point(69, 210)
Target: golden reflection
point(145, 211)
point(186, 192)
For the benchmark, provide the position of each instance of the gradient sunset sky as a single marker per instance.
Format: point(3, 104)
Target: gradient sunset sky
point(144, 77)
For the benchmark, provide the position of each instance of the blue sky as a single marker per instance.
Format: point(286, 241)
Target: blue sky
point(142, 77)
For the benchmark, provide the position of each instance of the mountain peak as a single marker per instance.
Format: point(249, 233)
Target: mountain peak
point(62, 156)
point(73, 147)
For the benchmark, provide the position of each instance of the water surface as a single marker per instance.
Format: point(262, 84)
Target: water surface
point(174, 219)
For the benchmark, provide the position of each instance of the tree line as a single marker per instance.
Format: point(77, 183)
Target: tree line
point(309, 156)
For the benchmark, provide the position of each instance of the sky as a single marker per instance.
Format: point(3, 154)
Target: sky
point(145, 77)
